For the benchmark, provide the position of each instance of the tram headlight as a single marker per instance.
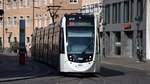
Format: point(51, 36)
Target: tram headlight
point(87, 60)
point(71, 58)
point(90, 58)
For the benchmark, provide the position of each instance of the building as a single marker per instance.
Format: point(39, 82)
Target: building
point(34, 12)
point(91, 6)
point(126, 28)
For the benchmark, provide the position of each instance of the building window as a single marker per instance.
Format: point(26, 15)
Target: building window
point(36, 20)
point(45, 20)
point(14, 3)
point(9, 5)
point(45, 2)
point(40, 21)
point(126, 11)
point(21, 17)
point(22, 3)
point(9, 0)
point(15, 39)
point(91, 8)
point(28, 3)
point(0, 42)
point(132, 11)
point(15, 20)
point(87, 8)
point(28, 20)
point(8, 39)
point(28, 39)
point(1, 5)
point(73, 1)
point(83, 9)
point(9, 21)
point(114, 13)
point(118, 12)
point(36, 2)
point(107, 14)
point(140, 9)
point(1, 23)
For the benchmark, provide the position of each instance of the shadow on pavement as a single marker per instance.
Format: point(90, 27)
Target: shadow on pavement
point(106, 72)
point(10, 69)
point(78, 75)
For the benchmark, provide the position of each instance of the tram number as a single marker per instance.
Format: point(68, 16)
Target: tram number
point(80, 59)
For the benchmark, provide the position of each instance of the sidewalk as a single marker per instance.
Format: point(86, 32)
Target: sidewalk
point(11, 70)
point(127, 62)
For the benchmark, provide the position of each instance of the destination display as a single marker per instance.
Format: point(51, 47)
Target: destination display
point(79, 22)
point(71, 23)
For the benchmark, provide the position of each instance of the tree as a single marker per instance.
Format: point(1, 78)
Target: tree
point(14, 46)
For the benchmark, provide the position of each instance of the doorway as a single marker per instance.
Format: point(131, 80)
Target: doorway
point(128, 44)
point(117, 43)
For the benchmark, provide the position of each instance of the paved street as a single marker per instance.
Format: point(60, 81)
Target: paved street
point(109, 75)
point(10, 69)
point(41, 74)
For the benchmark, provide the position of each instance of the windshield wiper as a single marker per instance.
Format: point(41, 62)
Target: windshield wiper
point(89, 45)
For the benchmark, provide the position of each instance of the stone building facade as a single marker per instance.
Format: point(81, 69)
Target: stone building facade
point(34, 12)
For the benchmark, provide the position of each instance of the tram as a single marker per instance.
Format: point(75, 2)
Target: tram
point(73, 46)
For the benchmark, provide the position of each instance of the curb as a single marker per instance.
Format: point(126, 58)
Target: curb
point(38, 73)
point(22, 78)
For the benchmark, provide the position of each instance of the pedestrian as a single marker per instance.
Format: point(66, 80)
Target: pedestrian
point(140, 55)
point(22, 55)
point(29, 47)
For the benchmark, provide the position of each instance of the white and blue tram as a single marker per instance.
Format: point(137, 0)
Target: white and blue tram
point(71, 47)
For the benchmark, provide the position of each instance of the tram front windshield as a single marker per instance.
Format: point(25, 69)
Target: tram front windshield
point(80, 39)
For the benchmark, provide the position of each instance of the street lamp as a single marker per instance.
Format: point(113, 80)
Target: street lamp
point(1, 17)
point(33, 15)
point(3, 24)
point(138, 39)
point(53, 14)
point(103, 38)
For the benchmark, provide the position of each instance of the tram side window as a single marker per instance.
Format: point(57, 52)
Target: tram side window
point(62, 41)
